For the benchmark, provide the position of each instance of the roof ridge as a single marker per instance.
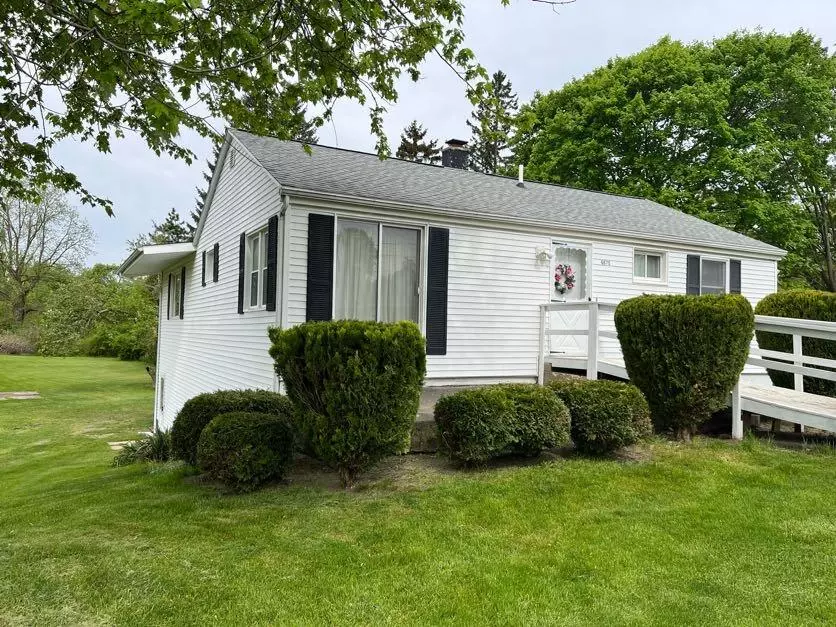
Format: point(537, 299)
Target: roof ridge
point(434, 165)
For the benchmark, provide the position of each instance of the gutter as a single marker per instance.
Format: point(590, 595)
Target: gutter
point(537, 224)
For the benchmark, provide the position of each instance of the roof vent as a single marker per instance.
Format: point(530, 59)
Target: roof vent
point(521, 181)
point(455, 154)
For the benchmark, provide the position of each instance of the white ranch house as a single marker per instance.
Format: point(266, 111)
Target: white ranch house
point(289, 235)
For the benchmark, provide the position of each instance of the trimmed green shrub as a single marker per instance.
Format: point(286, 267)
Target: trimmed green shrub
point(356, 387)
point(606, 415)
point(482, 423)
point(540, 422)
point(243, 450)
point(685, 353)
point(154, 447)
point(810, 305)
point(199, 411)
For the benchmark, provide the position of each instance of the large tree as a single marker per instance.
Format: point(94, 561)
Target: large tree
point(491, 125)
point(739, 131)
point(414, 145)
point(172, 230)
point(39, 241)
point(95, 70)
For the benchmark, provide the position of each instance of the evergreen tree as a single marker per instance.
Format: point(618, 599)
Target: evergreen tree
point(200, 200)
point(172, 230)
point(492, 123)
point(415, 147)
point(305, 129)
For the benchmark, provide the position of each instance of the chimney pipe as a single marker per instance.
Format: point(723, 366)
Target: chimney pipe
point(521, 182)
point(455, 154)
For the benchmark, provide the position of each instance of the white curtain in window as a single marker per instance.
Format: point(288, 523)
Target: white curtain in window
point(356, 271)
point(713, 277)
point(399, 274)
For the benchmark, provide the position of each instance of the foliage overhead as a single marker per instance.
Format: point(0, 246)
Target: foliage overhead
point(685, 353)
point(491, 125)
point(740, 131)
point(97, 70)
point(415, 147)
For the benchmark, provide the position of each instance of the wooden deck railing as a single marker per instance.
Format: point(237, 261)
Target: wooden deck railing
point(593, 332)
point(808, 409)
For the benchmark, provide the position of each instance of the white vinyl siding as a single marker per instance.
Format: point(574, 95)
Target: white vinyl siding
point(214, 347)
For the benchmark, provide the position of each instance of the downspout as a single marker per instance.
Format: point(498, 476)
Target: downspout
point(157, 390)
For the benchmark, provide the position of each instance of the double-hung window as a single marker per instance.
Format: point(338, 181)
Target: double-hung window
point(377, 272)
point(648, 266)
point(257, 269)
point(713, 277)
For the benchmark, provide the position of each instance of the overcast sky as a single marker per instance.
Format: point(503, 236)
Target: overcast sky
point(537, 48)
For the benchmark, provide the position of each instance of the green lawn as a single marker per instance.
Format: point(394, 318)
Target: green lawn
point(702, 534)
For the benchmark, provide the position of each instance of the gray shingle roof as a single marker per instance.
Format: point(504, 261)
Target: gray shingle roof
point(363, 175)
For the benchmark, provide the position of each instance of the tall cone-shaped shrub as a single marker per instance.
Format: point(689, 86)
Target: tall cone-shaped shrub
point(685, 353)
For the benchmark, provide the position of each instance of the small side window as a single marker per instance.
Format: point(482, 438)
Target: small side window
point(648, 266)
point(210, 265)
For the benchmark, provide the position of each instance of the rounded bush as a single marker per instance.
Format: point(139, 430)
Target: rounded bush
point(606, 415)
point(541, 420)
point(482, 423)
point(685, 353)
point(475, 425)
point(356, 387)
point(243, 450)
point(199, 411)
point(810, 305)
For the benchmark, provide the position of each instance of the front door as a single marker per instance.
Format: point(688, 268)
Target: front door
point(570, 282)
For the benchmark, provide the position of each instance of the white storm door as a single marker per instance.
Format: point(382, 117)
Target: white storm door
point(569, 282)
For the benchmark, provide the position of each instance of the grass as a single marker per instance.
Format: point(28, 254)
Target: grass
point(699, 534)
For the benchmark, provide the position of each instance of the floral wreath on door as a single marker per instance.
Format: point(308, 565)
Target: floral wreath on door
point(564, 278)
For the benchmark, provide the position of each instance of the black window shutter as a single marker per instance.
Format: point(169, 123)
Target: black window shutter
point(272, 255)
point(168, 300)
point(320, 267)
point(217, 252)
point(203, 270)
point(437, 262)
point(734, 276)
point(182, 290)
point(692, 276)
point(242, 251)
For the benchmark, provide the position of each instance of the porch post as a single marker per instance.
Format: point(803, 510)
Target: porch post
point(540, 356)
point(592, 346)
point(737, 419)
point(798, 379)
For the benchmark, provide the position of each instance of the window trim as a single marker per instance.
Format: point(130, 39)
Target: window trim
point(663, 266)
point(174, 303)
point(422, 229)
point(260, 233)
point(726, 278)
point(208, 267)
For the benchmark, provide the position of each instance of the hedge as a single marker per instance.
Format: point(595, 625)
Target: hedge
point(243, 450)
point(355, 385)
point(482, 423)
point(606, 415)
point(199, 411)
point(685, 353)
point(809, 305)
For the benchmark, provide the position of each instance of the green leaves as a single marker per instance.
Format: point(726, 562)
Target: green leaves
point(156, 68)
point(739, 131)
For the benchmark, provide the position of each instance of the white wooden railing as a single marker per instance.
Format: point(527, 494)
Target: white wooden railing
point(593, 332)
point(800, 408)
